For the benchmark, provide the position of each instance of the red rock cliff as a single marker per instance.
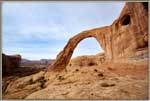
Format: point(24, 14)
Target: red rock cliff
point(9, 63)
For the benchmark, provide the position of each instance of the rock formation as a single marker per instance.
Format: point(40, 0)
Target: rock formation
point(101, 76)
point(126, 36)
point(9, 63)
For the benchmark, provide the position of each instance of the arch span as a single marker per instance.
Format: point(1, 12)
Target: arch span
point(64, 56)
point(120, 40)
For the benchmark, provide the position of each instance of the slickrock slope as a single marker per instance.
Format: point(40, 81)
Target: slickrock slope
point(119, 73)
point(127, 35)
point(97, 81)
point(86, 79)
point(12, 71)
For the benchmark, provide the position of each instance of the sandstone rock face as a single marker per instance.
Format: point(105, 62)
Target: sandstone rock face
point(126, 36)
point(9, 63)
point(21, 87)
point(130, 30)
point(89, 60)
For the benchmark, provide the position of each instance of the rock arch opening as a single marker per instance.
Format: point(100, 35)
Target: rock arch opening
point(88, 46)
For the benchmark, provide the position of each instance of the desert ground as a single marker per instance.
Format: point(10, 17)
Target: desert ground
point(84, 79)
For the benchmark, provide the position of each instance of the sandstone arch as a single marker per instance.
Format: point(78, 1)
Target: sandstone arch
point(126, 36)
point(64, 56)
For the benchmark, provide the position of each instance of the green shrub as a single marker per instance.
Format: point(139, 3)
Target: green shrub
point(77, 70)
point(42, 81)
point(61, 78)
point(92, 94)
point(95, 70)
point(31, 81)
point(106, 84)
point(100, 74)
point(92, 64)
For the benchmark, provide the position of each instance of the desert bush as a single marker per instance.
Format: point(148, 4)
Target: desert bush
point(42, 81)
point(92, 64)
point(100, 74)
point(95, 70)
point(61, 78)
point(104, 84)
point(31, 81)
point(77, 70)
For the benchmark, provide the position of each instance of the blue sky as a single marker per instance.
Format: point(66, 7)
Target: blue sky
point(39, 30)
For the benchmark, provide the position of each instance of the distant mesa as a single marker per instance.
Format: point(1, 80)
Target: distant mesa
point(42, 63)
point(15, 65)
point(10, 62)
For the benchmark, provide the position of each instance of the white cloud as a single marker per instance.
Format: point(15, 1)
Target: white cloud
point(45, 31)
